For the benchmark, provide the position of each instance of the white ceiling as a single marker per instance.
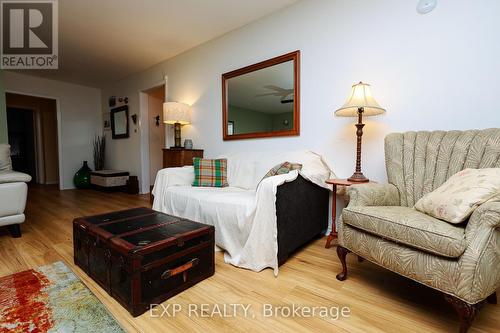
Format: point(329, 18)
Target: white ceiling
point(106, 40)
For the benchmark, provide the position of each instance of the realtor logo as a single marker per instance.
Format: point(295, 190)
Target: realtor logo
point(29, 34)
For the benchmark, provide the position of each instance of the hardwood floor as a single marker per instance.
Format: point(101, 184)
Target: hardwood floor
point(379, 301)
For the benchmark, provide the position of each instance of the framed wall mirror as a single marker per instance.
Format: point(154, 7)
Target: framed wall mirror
point(262, 100)
point(119, 122)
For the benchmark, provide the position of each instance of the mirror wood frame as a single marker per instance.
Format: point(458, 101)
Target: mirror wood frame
point(292, 56)
point(114, 111)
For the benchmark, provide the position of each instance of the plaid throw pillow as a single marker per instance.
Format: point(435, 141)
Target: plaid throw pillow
point(210, 173)
point(282, 169)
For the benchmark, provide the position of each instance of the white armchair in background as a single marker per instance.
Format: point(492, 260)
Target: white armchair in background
point(13, 193)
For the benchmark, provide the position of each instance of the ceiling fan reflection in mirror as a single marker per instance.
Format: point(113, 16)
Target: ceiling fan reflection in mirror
point(279, 92)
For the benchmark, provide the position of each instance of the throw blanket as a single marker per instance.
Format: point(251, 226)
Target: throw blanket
point(244, 214)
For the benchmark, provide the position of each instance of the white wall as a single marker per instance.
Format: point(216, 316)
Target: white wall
point(79, 118)
point(434, 71)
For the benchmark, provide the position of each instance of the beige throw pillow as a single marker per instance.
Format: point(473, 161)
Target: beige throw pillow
point(459, 196)
point(282, 169)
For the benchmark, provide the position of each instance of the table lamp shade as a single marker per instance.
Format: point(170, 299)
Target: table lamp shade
point(360, 97)
point(175, 112)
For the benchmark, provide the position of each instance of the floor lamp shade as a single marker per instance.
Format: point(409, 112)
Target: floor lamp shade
point(359, 103)
point(178, 114)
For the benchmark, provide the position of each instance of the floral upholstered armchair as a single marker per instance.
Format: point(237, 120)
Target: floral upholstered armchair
point(381, 225)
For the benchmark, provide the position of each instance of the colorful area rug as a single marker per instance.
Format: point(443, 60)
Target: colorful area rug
point(51, 299)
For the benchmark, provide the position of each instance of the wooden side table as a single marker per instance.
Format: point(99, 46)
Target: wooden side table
point(178, 157)
point(335, 183)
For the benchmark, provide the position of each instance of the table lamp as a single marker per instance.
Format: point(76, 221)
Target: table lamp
point(359, 103)
point(177, 114)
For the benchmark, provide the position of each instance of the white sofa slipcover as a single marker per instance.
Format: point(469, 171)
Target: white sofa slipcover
point(244, 214)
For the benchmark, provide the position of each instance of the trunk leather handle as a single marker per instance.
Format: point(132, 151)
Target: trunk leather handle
point(181, 269)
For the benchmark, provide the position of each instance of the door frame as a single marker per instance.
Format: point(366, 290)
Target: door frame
point(59, 132)
point(144, 137)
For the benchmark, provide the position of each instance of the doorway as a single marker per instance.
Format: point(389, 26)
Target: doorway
point(155, 99)
point(32, 131)
point(22, 140)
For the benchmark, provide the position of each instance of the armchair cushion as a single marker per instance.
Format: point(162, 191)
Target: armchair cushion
point(13, 177)
point(410, 227)
point(5, 162)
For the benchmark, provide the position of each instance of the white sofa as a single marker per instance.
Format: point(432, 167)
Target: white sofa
point(257, 223)
point(13, 193)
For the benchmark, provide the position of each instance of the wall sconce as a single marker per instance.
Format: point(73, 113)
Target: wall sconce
point(157, 119)
point(134, 118)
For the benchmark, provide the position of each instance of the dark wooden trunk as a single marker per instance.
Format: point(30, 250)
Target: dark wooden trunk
point(143, 257)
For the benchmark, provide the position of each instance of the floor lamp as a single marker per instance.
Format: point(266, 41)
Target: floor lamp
point(359, 103)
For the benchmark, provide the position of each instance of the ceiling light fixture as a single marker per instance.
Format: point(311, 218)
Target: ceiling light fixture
point(426, 6)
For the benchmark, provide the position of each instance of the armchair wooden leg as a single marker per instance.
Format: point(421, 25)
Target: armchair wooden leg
point(15, 230)
point(492, 299)
point(342, 253)
point(467, 312)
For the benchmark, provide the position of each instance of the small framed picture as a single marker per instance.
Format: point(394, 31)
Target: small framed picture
point(112, 101)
